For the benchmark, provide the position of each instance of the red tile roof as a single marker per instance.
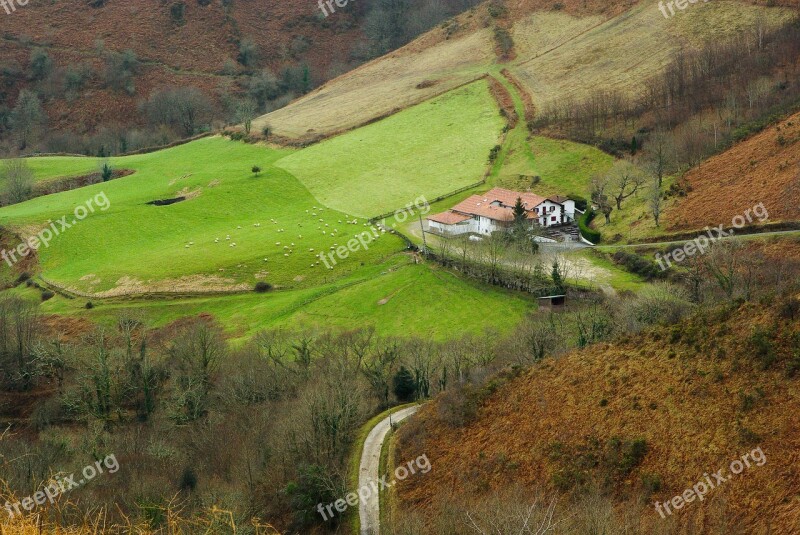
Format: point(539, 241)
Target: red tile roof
point(509, 198)
point(449, 218)
point(482, 206)
point(496, 204)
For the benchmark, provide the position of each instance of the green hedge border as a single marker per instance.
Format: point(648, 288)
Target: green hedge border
point(589, 233)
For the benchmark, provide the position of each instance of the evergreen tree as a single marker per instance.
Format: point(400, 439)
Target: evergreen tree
point(519, 212)
point(404, 385)
point(558, 279)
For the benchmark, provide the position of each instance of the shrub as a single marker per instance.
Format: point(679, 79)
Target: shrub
point(47, 294)
point(263, 287)
point(651, 483)
point(188, 479)
point(494, 152)
point(458, 406)
point(504, 40)
point(497, 9)
point(634, 263)
point(761, 343)
point(106, 172)
point(789, 308)
point(623, 457)
point(23, 277)
point(248, 52)
point(580, 202)
point(405, 388)
point(89, 305)
point(657, 304)
point(177, 12)
point(120, 70)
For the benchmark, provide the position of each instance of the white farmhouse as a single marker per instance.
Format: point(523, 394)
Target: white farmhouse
point(493, 211)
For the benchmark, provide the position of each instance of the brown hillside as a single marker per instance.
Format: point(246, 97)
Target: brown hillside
point(695, 393)
point(172, 54)
point(762, 169)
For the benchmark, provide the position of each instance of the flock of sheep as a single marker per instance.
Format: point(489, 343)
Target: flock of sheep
point(288, 250)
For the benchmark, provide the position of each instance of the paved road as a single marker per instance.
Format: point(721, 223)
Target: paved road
point(750, 236)
point(369, 511)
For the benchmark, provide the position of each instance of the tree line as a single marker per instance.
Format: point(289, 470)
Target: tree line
point(703, 101)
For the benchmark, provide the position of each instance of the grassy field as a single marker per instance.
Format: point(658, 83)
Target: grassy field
point(380, 87)
point(133, 247)
point(429, 150)
point(398, 298)
point(564, 167)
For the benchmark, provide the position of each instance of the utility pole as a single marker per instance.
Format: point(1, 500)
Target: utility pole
point(424, 242)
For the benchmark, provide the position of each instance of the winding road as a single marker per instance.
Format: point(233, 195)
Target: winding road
point(369, 510)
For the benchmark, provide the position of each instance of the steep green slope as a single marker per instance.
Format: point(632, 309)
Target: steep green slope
point(428, 150)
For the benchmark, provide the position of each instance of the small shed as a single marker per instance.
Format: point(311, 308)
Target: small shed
point(553, 302)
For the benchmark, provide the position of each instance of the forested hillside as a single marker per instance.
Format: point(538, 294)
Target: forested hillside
point(107, 76)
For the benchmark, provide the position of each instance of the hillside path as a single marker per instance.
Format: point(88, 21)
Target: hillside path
point(369, 511)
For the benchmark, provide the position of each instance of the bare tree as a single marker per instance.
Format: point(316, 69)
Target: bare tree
point(27, 118)
point(378, 371)
point(625, 179)
point(659, 155)
point(598, 188)
point(246, 111)
point(656, 200)
point(184, 108)
point(18, 179)
point(722, 263)
point(197, 353)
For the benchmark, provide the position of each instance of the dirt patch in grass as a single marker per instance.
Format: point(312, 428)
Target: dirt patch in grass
point(504, 101)
point(189, 284)
point(527, 100)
